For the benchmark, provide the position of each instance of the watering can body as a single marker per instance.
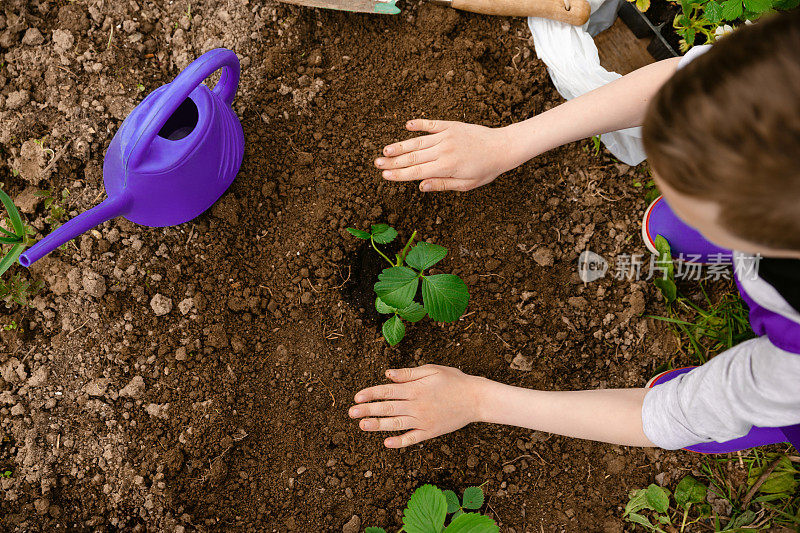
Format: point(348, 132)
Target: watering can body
point(172, 158)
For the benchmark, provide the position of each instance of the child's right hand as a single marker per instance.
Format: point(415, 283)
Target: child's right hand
point(455, 157)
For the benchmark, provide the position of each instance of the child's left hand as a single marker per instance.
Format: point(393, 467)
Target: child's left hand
point(425, 402)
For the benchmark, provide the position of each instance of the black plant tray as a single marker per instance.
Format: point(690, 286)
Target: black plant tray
point(642, 27)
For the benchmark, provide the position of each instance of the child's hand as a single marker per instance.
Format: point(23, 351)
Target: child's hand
point(425, 402)
point(456, 157)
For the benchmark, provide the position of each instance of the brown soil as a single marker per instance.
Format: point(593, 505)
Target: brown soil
point(234, 416)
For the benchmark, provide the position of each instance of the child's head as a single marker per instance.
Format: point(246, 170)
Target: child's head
point(723, 139)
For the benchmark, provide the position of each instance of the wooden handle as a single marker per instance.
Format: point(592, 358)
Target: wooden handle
point(577, 14)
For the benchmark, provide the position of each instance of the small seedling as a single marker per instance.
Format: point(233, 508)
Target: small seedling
point(57, 211)
point(428, 508)
point(18, 290)
point(648, 185)
point(6, 473)
point(16, 239)
point(11, 326)
point(596, 146)
point(444, 296)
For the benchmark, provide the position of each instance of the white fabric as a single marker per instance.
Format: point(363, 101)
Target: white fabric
point(574, 66)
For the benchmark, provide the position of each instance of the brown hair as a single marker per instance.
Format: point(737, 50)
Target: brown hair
point(727, 128)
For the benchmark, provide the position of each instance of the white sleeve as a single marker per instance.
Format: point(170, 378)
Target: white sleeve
point(692, 54)
point(753, 384)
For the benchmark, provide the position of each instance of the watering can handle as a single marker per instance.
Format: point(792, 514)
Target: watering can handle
point(179, 89)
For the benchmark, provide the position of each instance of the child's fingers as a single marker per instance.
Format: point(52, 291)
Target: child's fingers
point(423, 124)
point(409, 159)
point(382, 392)
point(402, 375)
point(445, 184)
point(395, 423)
point(407, 439)
point(410, 145)
point(377, 409)
point(417, 172)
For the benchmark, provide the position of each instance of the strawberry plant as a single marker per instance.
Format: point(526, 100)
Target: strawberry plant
point(428, 508)
point(444, 296)
point(703, 21)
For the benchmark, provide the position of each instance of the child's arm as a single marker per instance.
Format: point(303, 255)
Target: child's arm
point(459, 156)
point(432, 400)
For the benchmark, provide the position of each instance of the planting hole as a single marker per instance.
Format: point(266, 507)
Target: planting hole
point(181, 123)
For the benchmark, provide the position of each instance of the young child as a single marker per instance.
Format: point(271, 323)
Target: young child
point(722, 131)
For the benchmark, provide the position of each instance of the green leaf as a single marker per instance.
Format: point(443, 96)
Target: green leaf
point(472, 523)
point(413, 312)
point(424, 255)
point(12, 235)
point(383, 233)
point(13, 214)
point(757, 6)
point(397, 286)
point(786, 5)
point(426, 511)
point(10, 257)
point(445, 296)
point(643, 5)
point(637, 502)
point(473, 498)
point(457, 514)
point(714, 11)
point(359, 233)
point(744, 519)
point(10, 240)
point(667, 288)
point(383, 308)
point(666, 283)
point(373, 529)
point(781, 480)
point(453, 504)
point(689, 491)
point(394, 330)
point(636, 518)
point(732, 9)
point(658, 498)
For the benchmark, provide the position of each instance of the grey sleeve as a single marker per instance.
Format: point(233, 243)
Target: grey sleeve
point(753, 384)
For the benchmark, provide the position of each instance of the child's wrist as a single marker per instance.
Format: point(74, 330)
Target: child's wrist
point(481, 398)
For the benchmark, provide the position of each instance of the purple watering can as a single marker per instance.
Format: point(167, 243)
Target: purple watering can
point(172, 158)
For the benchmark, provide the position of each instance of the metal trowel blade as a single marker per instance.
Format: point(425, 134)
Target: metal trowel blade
point(383, 7)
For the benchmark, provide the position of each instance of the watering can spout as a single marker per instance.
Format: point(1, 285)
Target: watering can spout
point(110, 208)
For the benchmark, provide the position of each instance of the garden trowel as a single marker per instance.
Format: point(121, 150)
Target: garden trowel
point(574, 12)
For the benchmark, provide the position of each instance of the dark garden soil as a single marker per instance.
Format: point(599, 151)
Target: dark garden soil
point(198, 377)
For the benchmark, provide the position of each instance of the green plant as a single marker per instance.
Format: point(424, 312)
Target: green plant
point(428, 508)
point(444, 296)
point(711, 18)
point(14, 242)
point(10, 326)
point(594, 147)
point(648, 185)
point(709, 330)
point(771, 487)
point(57, 211)
point(18, 289)
point(6, 473)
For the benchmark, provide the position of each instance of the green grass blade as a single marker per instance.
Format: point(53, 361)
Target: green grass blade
point(10, 257)
point(13, 214)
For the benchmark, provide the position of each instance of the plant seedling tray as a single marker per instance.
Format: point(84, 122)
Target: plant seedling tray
point(642, 28)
